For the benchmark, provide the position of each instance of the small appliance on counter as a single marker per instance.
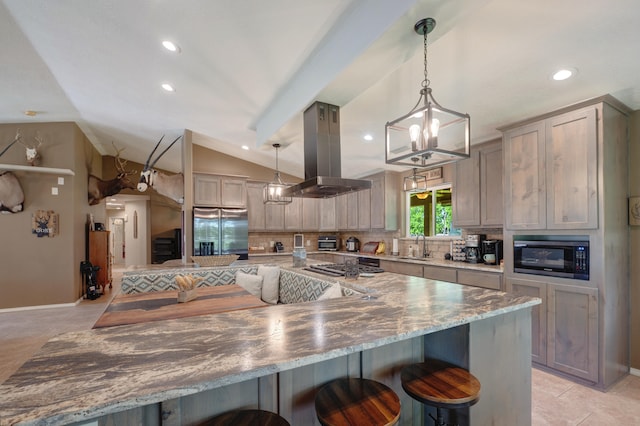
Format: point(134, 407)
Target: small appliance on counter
point(492, 252)
point(327, 243)
point(278, 247)
point(369, 248)
point(353, 244)
point(473, 247)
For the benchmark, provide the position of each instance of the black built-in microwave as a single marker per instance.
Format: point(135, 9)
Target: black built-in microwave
point(555, 258)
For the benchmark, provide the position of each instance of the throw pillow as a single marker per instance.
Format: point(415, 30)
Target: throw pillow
point(250, 282)
point(270, 283)
point(335, 290)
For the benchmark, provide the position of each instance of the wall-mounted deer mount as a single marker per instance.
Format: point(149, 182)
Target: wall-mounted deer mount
point(99, 189)
point(31, 152)
point(11, 194)
point(171, 186)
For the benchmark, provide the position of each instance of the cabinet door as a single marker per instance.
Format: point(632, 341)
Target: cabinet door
point(311, 214)
point(572, 170)
point(293, 215)
point(538, 315)
point(234, 192)
point(403, 268)
point(491, 198)
point(524, 177)
point(364, 209)
point(480, 279)
point(255, 207)
point(378, 207)
point(440, 273)
point(341, 212)
point(328, 214)
point(206, 190)
point(466, 192)
point(352, 211)
point(572, 334)
point(274, 217)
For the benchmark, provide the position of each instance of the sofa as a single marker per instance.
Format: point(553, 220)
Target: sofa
point(291, 287)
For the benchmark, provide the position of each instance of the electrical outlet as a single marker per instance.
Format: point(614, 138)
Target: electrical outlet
point(54, 190)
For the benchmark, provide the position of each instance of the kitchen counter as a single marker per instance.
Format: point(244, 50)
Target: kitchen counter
point(412, 260)
point(96, 373)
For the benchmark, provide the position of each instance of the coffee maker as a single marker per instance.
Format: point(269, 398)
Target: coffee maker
point(473, 247)
point(492, 252)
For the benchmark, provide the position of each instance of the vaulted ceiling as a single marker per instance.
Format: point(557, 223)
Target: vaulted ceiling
point(247, 69)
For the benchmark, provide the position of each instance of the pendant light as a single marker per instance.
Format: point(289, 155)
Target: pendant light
point(429, 134)
point(273, 192)
point(415, 182)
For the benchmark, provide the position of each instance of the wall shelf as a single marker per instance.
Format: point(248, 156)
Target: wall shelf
point(36, 169)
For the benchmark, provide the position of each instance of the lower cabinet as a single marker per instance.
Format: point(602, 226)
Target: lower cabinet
point(564, 326)
point(440, 273)
point(401, 268)
point(491, 280)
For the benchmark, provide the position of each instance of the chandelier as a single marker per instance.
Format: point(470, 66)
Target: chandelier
point(273, 192)
point(429, 134)
point(415, 182)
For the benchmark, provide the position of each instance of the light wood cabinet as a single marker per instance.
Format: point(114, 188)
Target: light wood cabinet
point(328, 214)
point(566, 173)
point(100, 255)
point(352, 210)
point(482, 279)
point(572, 330)
point(385, 201)
point(311, 214)
point(255, 207)
point(219, 191)
point(477, 188)
point(342, 221)
point(572, 170)
point(440, 273)
point(293, 215)
point(538, 315)
point(401, 268)
point(364, 209)
point(551, 170)
point(274, 217)
point(564, 326)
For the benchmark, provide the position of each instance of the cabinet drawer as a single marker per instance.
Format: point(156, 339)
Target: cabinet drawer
point(402, 268)
point(480, 279)
point(439, 273)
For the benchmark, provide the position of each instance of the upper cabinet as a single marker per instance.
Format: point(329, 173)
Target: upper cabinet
point(219, 191)
point(477, 188)
point(551, 172)
point(385, 201)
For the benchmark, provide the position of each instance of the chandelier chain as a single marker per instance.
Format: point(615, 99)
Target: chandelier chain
point(425, 82)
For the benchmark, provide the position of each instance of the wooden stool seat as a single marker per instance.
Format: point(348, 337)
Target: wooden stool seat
point(357, 402)
point(440, 384)
point(247, 418)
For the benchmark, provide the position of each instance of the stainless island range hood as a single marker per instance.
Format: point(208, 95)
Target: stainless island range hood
point(322, 168)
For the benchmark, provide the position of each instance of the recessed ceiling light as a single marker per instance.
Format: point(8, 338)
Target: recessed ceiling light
point(563, 74)
point(368, 137)
point(245, 147)
point(168, 87)
point(171, 46)
point(30, 113)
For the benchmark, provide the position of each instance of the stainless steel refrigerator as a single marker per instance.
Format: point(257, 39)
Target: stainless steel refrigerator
point(219, 231)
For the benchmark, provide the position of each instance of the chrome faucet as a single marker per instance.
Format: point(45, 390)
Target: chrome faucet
point(425, 253)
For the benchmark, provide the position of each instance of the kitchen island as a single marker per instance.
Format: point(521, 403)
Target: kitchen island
point(186, 370)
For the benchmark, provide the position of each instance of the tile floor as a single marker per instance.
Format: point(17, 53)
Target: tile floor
point(555, 401)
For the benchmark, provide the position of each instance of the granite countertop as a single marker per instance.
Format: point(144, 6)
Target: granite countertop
point(82, 375)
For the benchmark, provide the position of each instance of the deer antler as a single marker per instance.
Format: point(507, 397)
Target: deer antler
point(120, 163)
point(17, 139)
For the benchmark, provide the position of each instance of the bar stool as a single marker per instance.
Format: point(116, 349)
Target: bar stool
point(247, 418)
point(357, 402)
point(441, 385)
